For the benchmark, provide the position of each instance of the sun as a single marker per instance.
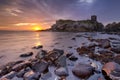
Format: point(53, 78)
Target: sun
point(37, 28)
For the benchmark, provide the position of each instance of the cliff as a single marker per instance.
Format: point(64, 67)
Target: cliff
point(81, 26)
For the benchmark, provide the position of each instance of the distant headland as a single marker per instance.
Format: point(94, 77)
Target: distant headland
point(91, 25)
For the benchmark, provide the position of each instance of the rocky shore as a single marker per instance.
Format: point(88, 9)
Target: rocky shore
point(98, 60)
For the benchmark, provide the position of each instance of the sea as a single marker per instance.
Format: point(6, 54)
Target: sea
point(15, 43)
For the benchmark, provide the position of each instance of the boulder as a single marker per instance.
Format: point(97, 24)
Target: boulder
point(4, 79)
point(69, 54)
point(83, 70)
point(21, 73)
point(117, 59)
point(78, 35)
point(70, 47)
point(104, 43)
point(92, 45)
point(21, 66)
point(30, 75)
point(18, 62)
point(83, 50)
point(40, 67)
point(96, 77)
point(16, 78)
point(55, 54)
point(26, 54)
point(61, 61)
point(47, 76)
point(9, 75)
point(41, 54)
point(111, 71)
point(73, 39)
point(37, 47)
point(102, 55)
point(62, 71)
point(94, 65)
point(5, 69)
point(73, 58)
point(33, 60)
point(116, 49)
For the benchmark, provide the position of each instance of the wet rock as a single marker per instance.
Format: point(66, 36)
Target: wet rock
point(111, 71)
point(61, 62)
point(102, 56)
point(78, 36)
point(94, 65)
point(57, 43)
point(26, 54)
point(41, 54)
point(8, 67)
point(91, 39)
point(96, 77)
point(2, 56)
point(117, 59)
point(4, 79)
point(55, 54)
point(27, 69)
point(10, 75)
point(33, 60)
point(83, 70)
point(62, 71)
point(69, 54)
point(92, 45)
point(116, 42)
point(116, 49)
point(37, 47)
point(83, 50)
point(5, 69)
point(46, 76)
point(31, 75)
point(73, 58)
point(21, 73)
point(18, 62)
point(70, 47)
point(21, 66)
point(105, 43)
point(73, 39)
point(62, 78)
point(16, 78)
point(40, 67)
point(111, 38)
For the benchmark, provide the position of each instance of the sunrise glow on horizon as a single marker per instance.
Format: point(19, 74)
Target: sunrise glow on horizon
point(37, 28)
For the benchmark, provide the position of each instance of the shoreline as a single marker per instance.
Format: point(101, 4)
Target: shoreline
point(57, 62)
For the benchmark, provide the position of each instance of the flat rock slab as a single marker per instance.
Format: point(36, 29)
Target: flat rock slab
point(40, 66)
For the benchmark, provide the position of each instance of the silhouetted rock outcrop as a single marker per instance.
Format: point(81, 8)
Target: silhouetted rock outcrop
point(82, 26)
point(113, 27)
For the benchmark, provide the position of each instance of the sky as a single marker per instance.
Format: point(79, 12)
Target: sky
point(30, 14)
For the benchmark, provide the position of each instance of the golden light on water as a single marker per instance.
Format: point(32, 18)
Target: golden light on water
point(38, 42)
